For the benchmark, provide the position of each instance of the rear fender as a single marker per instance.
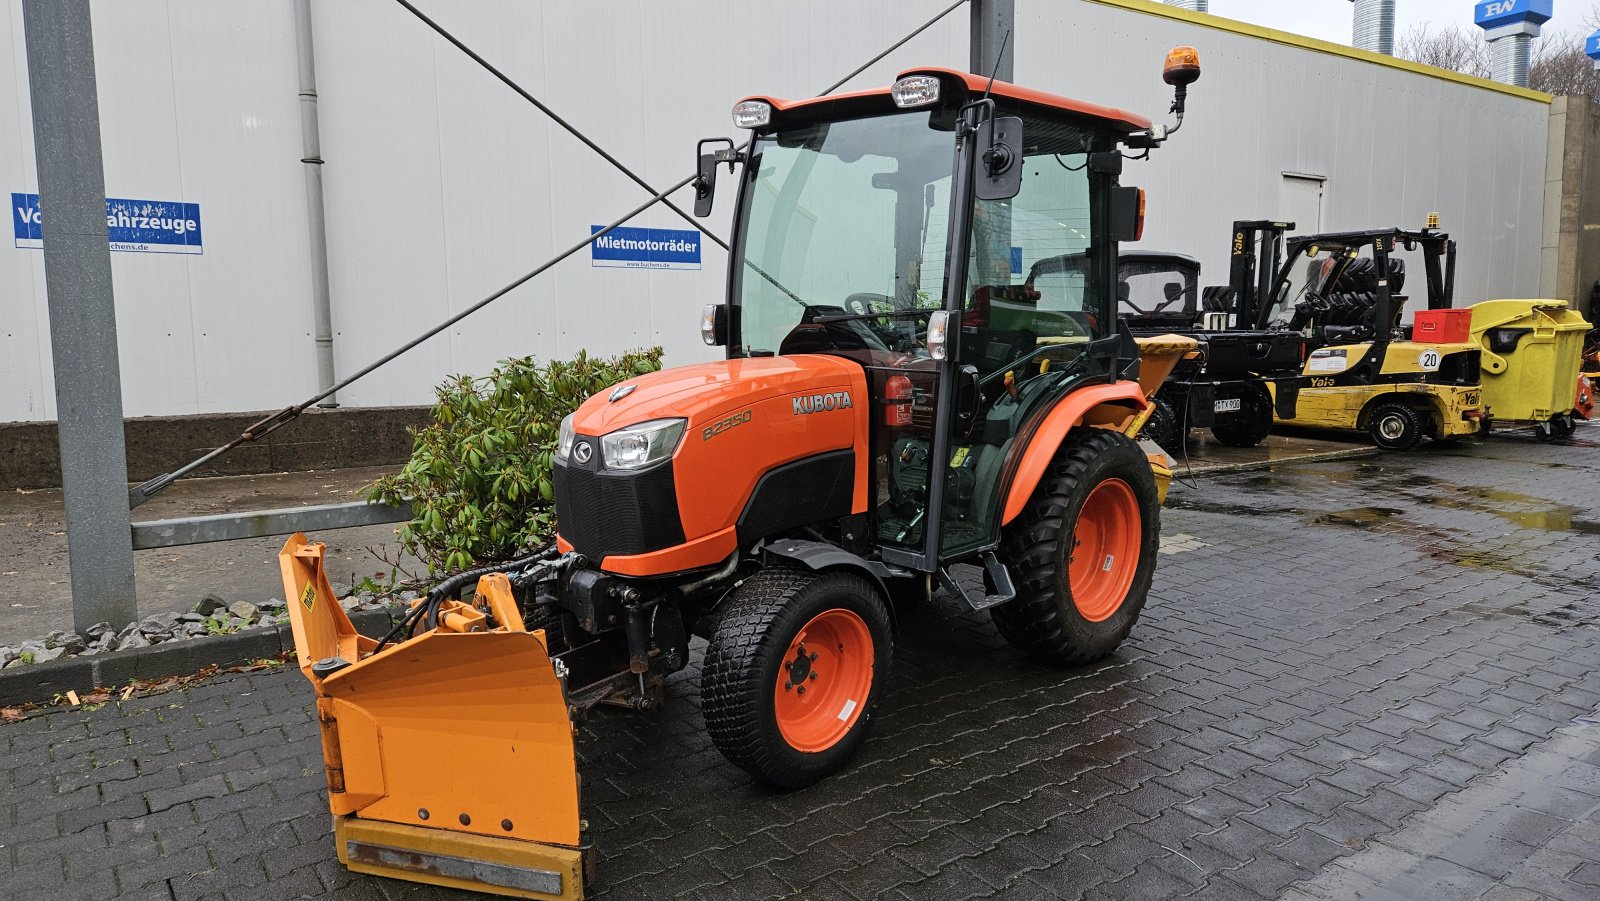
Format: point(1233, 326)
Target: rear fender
point(1114, 406)
point(1428, 404)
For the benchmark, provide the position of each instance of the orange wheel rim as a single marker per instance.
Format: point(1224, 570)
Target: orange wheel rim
point(824, 680)
point(1105, 550)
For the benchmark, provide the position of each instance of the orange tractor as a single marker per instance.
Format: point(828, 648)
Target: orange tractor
point(894, 402)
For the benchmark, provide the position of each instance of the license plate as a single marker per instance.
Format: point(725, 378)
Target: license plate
point(1230, 405)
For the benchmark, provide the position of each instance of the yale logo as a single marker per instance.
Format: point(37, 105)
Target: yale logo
point(817, 403)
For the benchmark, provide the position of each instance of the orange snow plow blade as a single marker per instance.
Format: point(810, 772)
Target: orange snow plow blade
point(450, 754)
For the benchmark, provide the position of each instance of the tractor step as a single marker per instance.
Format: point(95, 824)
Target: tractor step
point(997, 577)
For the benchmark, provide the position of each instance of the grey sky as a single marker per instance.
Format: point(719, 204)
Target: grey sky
point(1330, 19)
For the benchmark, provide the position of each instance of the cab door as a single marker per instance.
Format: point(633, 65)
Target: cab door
point(1035, 318)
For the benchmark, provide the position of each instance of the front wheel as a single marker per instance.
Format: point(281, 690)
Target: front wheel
point(795, 667)
point(1083, 551)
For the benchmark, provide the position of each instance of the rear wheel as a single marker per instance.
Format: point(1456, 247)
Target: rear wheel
point(1083, 551)
point(1250, 424)
point(794, 669)
point(1395, 426)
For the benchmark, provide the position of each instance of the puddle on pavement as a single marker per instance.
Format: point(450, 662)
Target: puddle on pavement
point(1360, 517)
point(1201, 505)
point(1546, 515)
point(1524, 511)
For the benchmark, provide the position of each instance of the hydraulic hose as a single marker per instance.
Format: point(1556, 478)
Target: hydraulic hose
point(428, 609)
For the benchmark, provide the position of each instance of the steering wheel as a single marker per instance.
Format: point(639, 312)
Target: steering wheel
point(858, 303)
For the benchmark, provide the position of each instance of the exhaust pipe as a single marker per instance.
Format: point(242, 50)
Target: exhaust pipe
point(1373, 27)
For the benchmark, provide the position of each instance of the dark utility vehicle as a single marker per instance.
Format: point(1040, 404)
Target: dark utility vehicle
point(1224, 387)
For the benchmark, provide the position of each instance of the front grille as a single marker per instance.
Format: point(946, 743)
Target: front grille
point(617, 513)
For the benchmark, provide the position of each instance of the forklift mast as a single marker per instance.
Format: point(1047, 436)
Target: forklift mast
point(1256, 253)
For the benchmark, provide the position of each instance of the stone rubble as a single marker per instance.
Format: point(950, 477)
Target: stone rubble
point(210, 615)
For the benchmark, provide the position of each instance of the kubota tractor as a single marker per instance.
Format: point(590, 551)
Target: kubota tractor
point(891, 405)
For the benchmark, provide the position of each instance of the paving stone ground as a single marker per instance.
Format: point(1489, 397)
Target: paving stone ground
point(1363, 679)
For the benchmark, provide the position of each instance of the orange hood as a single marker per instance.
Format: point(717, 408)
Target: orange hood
point(705, 391)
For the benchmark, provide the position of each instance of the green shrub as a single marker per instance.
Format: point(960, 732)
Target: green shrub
point(479, 475)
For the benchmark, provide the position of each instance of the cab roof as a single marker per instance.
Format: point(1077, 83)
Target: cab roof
point(974, 85)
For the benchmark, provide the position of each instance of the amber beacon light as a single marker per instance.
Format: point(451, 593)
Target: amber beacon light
point(1182, 68)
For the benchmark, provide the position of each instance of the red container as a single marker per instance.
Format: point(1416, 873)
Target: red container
point(1442, 326)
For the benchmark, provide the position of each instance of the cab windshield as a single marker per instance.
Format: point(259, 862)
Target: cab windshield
point(844, 230)
point(842, 219)
point(1307, 277)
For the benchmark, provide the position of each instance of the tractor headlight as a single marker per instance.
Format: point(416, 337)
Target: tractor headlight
point(638, 446)
point(564, 442)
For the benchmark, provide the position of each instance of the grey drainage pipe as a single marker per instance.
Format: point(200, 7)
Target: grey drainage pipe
point(316, 220)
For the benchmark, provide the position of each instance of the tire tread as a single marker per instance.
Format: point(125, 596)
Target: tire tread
point(1032, 621)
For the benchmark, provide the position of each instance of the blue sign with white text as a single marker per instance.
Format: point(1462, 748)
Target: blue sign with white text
point(133, 226)
point(1491, 13)
point(645, 248)
point(1591, 47)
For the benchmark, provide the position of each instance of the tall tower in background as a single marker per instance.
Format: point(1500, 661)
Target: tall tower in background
point(1510, 27)
point(1373, 26)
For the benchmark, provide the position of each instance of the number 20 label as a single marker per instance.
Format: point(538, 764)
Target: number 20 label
point(1429, 360)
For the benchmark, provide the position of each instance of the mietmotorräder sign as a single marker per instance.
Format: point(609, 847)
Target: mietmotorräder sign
point(645, 248)
point(132, 226)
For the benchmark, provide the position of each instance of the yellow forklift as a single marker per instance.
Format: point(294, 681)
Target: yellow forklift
point(1363, 371)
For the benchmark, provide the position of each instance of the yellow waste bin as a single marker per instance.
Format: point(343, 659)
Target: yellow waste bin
point(1532, 353)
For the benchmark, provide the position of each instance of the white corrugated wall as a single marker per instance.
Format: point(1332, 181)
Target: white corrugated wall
point(442, 185)
point(1393, 145)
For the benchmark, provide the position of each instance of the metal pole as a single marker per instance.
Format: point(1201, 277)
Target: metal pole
point(316, 221)
point(992, 22)
point(83, 320)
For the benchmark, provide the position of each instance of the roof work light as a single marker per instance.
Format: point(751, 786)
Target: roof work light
point(752, 114)
point(915, 90)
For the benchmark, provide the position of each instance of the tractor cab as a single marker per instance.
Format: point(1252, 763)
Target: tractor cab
point(958, 240)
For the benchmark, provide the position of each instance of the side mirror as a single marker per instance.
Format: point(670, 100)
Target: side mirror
point(705, 185)
point(1127, 214)
point(714, 324)
point(705, 180)
point(1000, 158)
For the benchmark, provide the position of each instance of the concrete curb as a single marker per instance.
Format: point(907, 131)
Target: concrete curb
point(39, 683)
point(1322, 457)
